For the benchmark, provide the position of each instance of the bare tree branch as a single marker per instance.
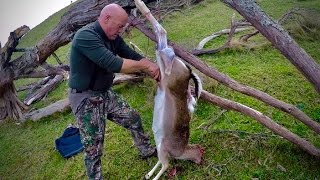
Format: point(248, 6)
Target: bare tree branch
point(264, 120)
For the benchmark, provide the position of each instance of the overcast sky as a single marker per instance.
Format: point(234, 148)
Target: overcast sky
point(15, 13)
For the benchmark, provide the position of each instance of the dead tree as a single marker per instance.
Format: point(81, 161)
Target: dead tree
point(10, 105)
point(279, 38)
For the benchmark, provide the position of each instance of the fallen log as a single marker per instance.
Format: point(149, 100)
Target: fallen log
point(44, 90)
point(217, 34)
point(59, 106)
point(235, 27)
point(263, 119)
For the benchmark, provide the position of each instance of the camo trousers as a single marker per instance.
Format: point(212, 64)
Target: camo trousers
point(91, 118)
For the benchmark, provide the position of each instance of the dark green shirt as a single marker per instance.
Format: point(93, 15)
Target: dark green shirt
point(94, 58)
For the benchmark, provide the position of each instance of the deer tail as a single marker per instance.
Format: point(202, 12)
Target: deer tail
point(197, 84)
point(192, 100)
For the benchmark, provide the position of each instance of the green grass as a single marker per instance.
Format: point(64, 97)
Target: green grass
point(27, 150)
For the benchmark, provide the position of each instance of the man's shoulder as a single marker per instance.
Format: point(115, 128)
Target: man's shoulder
point(86, 31)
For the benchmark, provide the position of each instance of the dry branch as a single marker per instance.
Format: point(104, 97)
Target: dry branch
point(39, 84)
point(11, 44)
point(215, 35)
point(26, 87)
point(43, 91)
point(235, 27)
point(264, 120)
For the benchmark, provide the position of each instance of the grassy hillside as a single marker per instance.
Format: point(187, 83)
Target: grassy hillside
point(237, 146)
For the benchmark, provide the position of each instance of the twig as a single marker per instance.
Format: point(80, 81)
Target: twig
point(26, 87)
point(57, 58)
point(134, 46)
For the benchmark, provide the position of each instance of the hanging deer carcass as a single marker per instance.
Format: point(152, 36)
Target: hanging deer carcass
point(173, 103)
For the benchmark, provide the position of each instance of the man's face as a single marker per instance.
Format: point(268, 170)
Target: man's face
point(114, 26)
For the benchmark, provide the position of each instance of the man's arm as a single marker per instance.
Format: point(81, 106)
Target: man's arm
point(144, 65)
point(133, 61)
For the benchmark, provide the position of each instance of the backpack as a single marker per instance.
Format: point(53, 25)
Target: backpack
point(69, 144)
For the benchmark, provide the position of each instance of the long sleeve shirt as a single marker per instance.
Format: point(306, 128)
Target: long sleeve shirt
point(94, 58)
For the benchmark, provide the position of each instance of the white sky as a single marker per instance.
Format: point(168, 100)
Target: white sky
point(15, 13)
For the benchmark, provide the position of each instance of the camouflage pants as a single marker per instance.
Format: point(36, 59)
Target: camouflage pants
point(91, 117)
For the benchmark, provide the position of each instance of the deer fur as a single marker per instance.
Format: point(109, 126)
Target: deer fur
point(173, 103)
point(172, 113)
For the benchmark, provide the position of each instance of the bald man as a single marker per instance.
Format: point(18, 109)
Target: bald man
point(97, 52)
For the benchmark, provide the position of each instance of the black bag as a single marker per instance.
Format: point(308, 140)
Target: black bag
point(69, 144)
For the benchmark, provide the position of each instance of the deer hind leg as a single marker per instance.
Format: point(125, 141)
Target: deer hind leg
point(164, 167)
point(163, 156)
point(163, 159)
point(193, 153)
point(147, 176)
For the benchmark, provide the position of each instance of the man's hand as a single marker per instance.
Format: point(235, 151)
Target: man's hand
point(144, 65)
point(153, 70)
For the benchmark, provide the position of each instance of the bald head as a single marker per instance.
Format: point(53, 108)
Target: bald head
point(113, 10)
point(112, 19)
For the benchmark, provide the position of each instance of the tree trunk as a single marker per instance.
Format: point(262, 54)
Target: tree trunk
point(10, 106)
point(279, 38)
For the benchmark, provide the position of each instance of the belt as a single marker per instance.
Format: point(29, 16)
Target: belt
point(75, 91)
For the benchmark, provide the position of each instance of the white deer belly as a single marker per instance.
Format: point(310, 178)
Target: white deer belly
point(158, 117)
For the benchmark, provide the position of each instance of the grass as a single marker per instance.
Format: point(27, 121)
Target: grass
point(237, 146)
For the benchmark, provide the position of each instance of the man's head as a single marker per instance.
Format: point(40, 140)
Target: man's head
point(112, 19)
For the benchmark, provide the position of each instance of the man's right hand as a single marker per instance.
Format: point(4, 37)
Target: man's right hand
point(144, 65)
point(153, 70)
